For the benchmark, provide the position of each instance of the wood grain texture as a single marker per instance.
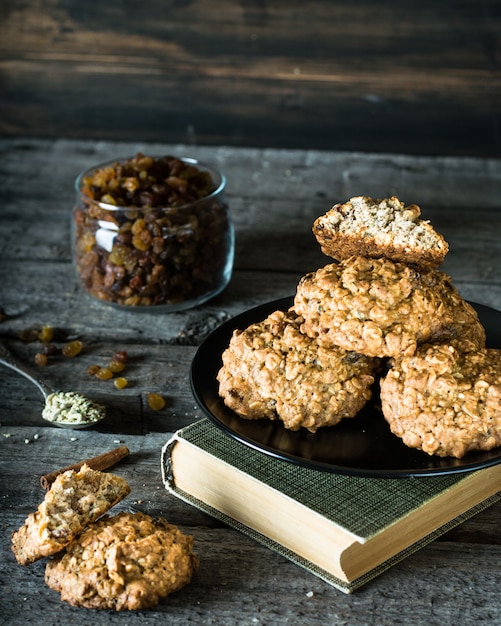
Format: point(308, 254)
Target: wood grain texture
point(386, 76)
point(274, 196)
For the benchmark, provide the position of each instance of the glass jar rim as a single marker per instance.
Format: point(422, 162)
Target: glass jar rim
point(189, 160)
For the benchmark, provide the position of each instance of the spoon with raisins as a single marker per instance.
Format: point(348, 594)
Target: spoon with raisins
point(65, 409)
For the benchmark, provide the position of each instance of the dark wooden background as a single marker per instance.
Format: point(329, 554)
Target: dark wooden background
point(373, 75)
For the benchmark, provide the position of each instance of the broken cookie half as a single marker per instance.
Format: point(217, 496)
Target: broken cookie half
point(375, 228)
point(75, 499)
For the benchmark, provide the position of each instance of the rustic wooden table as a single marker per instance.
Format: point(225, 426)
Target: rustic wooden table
point(274, 196)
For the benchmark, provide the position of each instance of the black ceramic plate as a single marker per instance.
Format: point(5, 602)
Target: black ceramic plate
point(362, 446)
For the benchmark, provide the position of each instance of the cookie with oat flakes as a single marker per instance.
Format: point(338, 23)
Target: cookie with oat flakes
point(377, 307)
point(272, 370)
point(127, 562)
point(443, 401)
point(465, 331)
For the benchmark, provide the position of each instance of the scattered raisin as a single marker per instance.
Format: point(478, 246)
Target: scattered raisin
point(116, 366)
point(93, 369)
point(40, 359)
point(120, 382)
point(49, 349)
point(28, 335)
point(155, 401)
point(73, 348)
point(46, 334)
point(120, 356)
point(104, 373)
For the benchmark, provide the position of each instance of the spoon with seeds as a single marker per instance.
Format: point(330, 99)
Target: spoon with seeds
point(65, 409)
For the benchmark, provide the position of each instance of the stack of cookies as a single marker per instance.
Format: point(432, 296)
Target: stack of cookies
point(126, 562)
point(381, 312)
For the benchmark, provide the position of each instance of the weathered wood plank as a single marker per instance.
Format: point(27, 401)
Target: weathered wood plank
point(314, 177)
point(396, 77)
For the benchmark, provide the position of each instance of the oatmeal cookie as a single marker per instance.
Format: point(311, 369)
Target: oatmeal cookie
point(74, 499)
point(465, 331)
point(376, 307)
point(443, 401)
point(272, 370)
point(126, 562)
point(380, 228)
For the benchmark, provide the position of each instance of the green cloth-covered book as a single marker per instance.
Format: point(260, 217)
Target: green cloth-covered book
point(344, 529)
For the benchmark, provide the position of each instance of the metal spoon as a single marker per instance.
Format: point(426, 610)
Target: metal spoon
point(50, 396)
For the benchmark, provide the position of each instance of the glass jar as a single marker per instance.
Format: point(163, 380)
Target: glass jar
point(152, 233)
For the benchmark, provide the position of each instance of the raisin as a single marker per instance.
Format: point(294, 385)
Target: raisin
point(116, 366)
point(120, 382)
point(120, 356)
point(28, 335)
point(49, 349)
point(109, 199)
point(41, 359)
point(155, 401)
point(138, 226)
point(73, 348)
point(46, 334)
point(104, 373)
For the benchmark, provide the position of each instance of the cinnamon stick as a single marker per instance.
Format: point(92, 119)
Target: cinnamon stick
point(100, 462)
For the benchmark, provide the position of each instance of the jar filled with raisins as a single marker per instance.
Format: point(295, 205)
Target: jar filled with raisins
point(153, 233)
